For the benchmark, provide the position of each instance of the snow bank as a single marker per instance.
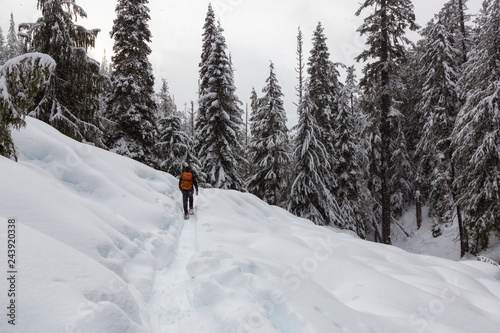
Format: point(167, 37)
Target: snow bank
point(102, 247)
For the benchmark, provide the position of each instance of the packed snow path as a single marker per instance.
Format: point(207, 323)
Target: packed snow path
point(170, 306)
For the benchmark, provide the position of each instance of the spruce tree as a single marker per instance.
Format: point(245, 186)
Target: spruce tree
point(440, 66)
point(175, 146)
point(476, 136)
point(323, 88)
point(131, 105)
point(300, 67)
point(209, 34)
point(3, 55)
point(385, 29)
point(71, 99)
point(14, 46)
point(268, 147)
point(21, 80)
point(310, 197)
point(346, 168)
point(219, 140)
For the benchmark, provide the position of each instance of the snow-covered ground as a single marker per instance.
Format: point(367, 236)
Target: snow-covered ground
point(102, 247)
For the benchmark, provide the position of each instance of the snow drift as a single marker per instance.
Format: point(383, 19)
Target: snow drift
point(102, 247)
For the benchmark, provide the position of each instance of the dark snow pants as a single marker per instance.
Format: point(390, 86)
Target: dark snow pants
point(187, 195)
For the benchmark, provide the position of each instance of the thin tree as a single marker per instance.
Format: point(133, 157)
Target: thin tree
point(300, 67)
point(385, 29)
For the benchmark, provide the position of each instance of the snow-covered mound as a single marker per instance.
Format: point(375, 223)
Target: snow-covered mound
point(102, 247)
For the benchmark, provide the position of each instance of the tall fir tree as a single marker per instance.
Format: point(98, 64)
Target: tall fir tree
point(476, 136)
point(269, 145)
point(346, 168)
point(13, 48)
point(3, 54)
point(300, 66)
point(71, 99)
point(310, 196)
point(385, 28)
point(323, 87)
point(209, 34)
point(219, 139)
point(131, 105)
point(440, 66)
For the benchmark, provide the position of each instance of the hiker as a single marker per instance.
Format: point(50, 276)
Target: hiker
point(186, 183)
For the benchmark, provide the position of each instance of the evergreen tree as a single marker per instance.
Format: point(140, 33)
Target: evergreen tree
point(385, 30)
point(21, 80)
point(105, 68)
point(476, 136)
point(209, 34)
point(300, 66)
point(401, 171)
point(166, 105)
point(268, 148)
point(219, 139)
point(439, 65)
point(3, 55)
point(346, 168)
point(71, 99)
point(131, 104)
point(14, 46)
point(310, 197)
point(323, 88)
point(176, 147)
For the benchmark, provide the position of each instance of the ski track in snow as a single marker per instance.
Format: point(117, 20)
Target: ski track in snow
point(170, 305)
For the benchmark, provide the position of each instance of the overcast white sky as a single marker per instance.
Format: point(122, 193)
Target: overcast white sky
point(256, 31)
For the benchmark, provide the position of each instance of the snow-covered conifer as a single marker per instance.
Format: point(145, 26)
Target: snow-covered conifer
point(268, 147)
point(175, 147)
point(21, 80)
point(220, 148)
point(131, 104)
point(13, 48)
point(385, 30)
point(71, 99)
point(440, 67)
point(346, 168)
point(476, 136)
point(310, 196)
point(323, 88)
point(209, 33)
point(3, 55)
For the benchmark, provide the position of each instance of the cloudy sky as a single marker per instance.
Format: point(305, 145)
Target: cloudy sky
point(256, 31)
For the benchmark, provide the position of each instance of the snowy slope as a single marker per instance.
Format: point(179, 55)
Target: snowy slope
point(102, 247)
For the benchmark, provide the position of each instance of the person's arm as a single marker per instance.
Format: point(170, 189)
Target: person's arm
point(195, 183)
point(180, 180)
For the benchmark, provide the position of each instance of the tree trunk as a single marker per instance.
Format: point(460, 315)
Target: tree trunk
point(462, 29)
point(385, 129)
point(418, 203)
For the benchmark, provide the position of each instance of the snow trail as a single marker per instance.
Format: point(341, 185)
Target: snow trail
point(170, 305)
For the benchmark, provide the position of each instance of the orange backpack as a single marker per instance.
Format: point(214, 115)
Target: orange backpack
point(186, 181)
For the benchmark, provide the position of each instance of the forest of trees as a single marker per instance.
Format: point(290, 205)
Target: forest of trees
point(422, 120)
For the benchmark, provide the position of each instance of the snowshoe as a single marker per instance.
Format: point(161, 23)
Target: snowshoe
point(191, 211)
point(186, 217)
